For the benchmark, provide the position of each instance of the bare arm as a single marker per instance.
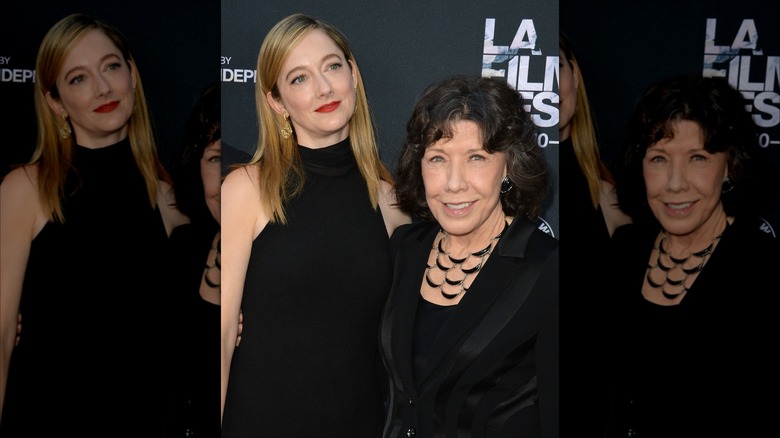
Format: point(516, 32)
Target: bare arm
point(392, 215)
point(242, 221)
point(613, 215)
point(21, 219)
point(166, 201)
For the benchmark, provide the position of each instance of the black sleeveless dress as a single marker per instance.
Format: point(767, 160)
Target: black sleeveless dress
point(308, 361)
point(92, 358)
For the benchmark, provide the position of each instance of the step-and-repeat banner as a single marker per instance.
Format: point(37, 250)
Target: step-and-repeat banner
point(175, 43)
point(625, 46)
point(401, 47)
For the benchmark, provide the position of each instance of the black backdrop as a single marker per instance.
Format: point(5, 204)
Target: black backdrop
point(624, 46)
point(401, 47)
point(175, 43)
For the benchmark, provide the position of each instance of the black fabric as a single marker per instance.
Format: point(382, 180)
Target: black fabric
point(586, 228)
point(430, 319)
point(307, 363)
point(492, 370)
point(704, 367)
point(584, 251)
point(196, 402)
point(93, 358)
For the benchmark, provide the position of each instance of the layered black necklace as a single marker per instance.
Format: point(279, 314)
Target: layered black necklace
point(216, 267)
point(462, 264)
point(674, 272)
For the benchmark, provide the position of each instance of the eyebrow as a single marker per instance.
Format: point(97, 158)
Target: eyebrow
point(468, 151)
point(303, 67)
point(102, 60)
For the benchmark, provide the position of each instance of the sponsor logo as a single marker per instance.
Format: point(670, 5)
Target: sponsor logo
point(545, 226)
point(17, 75)
point(738, 57)
point(235, 74)
point(530, 72)
point(526, 69)
point(766, 227)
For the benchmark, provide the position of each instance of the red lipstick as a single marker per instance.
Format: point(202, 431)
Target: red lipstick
point(107, 108)
point(328, 107)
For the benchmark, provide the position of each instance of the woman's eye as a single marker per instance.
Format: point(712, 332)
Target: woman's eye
point(215, 159)
point(298, 80)
point(76, 80)
point(335, 66)
point(113, 66)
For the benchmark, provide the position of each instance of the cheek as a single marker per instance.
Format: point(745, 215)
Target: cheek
point(713, 183)
point(653, 181)
point(210, 174)
point(73, 100)
point(430, 180)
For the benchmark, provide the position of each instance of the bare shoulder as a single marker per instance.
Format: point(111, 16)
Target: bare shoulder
point(241, 202)
point(19, 188)
point(241, 181)
point(24, 178)
point(392, 215)
point(166, 200)
point(21, 208)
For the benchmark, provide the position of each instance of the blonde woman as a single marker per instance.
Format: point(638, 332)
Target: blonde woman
point(306, 228)
point(83, 233)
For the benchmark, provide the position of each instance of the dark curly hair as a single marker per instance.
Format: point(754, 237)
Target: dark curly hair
point(202, 128)
point(727, 127)
point(505, 127)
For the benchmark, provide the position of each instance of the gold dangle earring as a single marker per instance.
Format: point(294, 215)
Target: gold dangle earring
point(287, 129)
point(65, 131)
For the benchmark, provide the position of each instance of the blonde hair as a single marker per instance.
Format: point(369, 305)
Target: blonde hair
point(53, 154)
point(281, 171)
point(583, 132)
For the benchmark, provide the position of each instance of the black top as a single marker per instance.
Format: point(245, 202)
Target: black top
point(699, 368)
point(430, 319)
point(94, 345)
point(585, 228)
point(492, 368)
point(195, 412)
point(584, 251)
point(307, 364)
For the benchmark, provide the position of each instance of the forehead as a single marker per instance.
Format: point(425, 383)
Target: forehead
point(686, 134)
point(311, 48)
point(215, 145)
point(94, 45)
point(466, 133)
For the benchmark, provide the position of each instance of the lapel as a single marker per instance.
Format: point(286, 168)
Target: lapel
point(495, 277)
point(398, 328)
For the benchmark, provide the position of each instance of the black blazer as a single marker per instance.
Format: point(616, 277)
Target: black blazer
point(715, 350)
point(493, 369)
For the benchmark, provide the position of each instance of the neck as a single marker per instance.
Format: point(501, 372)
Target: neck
point(468, 243)
point(698, 239)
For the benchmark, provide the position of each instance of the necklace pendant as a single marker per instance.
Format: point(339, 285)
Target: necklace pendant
point(661, 266)
point(669, 296)
point(650, 281)
point(458, 261)
point(451, 296)
point(442, 267)
point(677, 261)
point(671, 282)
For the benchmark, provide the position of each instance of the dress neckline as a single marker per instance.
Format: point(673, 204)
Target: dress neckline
point(123, 142)
point(333, 160)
